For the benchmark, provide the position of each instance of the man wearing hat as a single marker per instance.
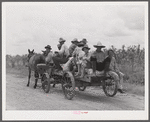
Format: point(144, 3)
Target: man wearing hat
point(98, 59)
point(73, 46)
point(63, 54)
point(49, 54)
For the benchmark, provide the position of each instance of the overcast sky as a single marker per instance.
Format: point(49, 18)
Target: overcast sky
point(35, 25)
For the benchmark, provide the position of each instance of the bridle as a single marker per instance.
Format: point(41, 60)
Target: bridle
point(29, 56)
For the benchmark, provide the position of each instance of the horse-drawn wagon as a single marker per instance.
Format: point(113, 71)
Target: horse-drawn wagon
point(70, 82)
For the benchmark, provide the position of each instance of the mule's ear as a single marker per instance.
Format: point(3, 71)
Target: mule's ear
point(32, 50)
point(29, 50)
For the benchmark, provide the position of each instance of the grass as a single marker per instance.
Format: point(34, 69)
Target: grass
point(134, 89)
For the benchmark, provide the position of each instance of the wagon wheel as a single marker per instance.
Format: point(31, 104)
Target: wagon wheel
point(110, 87)
point(45, 83)
point(82, 88)
point(68, 85)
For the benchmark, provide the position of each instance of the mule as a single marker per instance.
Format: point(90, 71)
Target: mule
point(33, 60)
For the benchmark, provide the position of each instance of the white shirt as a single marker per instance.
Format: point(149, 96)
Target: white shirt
point(49, 57)
point(78, 53)
point(64, 50)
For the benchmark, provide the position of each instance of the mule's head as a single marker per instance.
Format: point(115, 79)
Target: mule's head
point(31, 53)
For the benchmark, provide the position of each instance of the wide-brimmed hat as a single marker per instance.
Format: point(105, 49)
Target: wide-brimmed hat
point(85, 46)
point(80, 44)
point(99, 44)
point(74, 40)
point(61, 40)
point(84, 40)
point(48, 46)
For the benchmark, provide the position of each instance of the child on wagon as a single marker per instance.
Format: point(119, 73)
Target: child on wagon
point(85, 60)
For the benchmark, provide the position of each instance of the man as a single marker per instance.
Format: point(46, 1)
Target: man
point(114, 70)
point(49, 54)
point(73, 46)
point(63, 55)
point(98, 59)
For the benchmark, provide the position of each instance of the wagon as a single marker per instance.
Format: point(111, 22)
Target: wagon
point(69, 82)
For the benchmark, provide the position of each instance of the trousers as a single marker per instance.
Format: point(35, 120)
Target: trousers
point(100, 66)
point(59, 60)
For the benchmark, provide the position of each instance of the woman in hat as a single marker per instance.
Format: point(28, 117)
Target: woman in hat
point(85, 60)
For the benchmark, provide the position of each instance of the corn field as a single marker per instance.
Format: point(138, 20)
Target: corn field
point(130, 61)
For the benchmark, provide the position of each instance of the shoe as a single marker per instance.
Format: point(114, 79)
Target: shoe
point(121, 91)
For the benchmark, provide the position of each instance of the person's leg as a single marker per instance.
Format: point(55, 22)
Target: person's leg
point(82, 72)
point(83, 65)
point(79, 69)
point(117, 79)
point(103, 66)
point(120, 84)
point(94, 65)
point(57, 61)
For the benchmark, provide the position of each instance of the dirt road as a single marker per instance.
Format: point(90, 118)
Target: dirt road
point(21, 97)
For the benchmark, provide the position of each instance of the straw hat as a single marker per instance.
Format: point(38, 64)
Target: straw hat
point(48, 46)
point(86, 46)
point(99, 44)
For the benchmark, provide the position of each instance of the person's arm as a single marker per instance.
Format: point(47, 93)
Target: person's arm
point(74, 52)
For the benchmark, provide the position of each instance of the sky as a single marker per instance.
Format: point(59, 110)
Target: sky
point(33, 25)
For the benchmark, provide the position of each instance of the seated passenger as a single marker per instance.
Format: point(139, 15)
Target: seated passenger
point(49, 54)
point(114, 68)
point(78, 54)
point(73, 46)
point(98, 60)
point(63, 55)
point(85, 60)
